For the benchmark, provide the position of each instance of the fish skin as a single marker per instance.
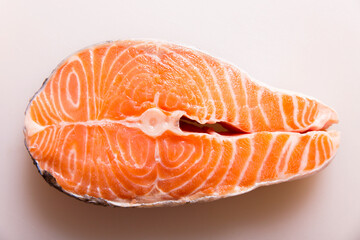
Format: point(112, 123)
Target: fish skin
point(300, 116)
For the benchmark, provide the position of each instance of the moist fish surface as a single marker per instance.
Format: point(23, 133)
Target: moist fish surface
point(147, 123)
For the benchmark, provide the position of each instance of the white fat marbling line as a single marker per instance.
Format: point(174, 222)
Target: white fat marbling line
point(191, 78)
point(231, 162)
point(304, 113)
point(181, 155)
point(65, 139)
point(50, 106)
point(330, 146)
point(215, 80)
point(104, 176)
point(150, 161)
point(212, 172)
point(43, 110)
point(122, 158)
point(308, 120)
point(50, 82)
point(99, 77)
point(293, 142)
point(45, 115)
point(50, 137)
point(233, 96)
point(94, 98)
point(74, 102)
point(115, 60)
point(317, 155)
point(85, 158)
point(243, 79)
point(71, 162)
point(281, 108)
point(193, 83)
point(305, 156)
point(90, 176)
point(157, 162)
point(270, 147)
point(285, 150)
point(323, 147)
point(248, 160)
point(40, 104)
point(115, 163)
point(259, 96)
point(112, 81)
point(190, 167)
point(43, 143)
point(296, 112)
point(134, 163)
point(36, 105)
point(156, 99)
point(60, 82)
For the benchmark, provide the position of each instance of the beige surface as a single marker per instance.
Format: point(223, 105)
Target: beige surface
point(308, 46)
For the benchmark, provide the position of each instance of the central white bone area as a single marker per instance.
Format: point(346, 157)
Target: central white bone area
point(153, 122)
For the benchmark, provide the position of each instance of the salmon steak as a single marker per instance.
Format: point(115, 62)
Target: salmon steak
point(138, 123)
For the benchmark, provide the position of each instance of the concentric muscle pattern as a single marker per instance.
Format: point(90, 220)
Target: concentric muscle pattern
point(105, 125)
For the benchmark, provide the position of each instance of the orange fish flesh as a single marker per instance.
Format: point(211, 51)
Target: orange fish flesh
point(146, 123)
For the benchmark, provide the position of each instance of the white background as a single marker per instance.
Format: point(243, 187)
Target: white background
point(311, 47)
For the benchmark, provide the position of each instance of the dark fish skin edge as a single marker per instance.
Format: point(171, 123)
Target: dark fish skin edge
point(50, 179)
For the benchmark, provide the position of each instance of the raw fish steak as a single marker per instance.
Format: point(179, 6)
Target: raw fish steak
point(145, 123)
